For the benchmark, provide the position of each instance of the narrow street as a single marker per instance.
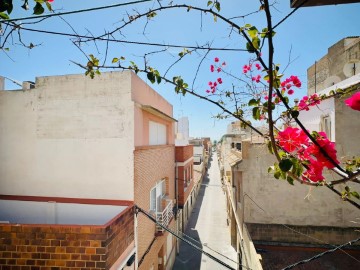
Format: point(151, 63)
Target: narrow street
point(208, 226)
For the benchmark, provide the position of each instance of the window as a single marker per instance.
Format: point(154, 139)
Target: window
point(157, 133)
point(156, 194)
point(325, 126)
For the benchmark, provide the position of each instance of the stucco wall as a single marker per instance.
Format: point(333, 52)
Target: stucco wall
point(282, 203)
point(69, 137)
point(143, 94)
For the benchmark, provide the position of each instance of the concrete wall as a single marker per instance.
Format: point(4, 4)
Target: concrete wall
point(71, 136)
point(280, 203)
point(143, 94)
point(331, 69)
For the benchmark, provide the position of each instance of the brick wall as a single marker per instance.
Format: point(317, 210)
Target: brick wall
point(152, 163)
point(46, 247)
point(183, 153)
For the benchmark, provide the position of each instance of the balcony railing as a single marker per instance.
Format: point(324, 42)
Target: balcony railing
point(165, 216)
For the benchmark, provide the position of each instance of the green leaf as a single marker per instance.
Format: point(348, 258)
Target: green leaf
point(347, 189)
point(277, 174)
point(4, 16)
point(294, 114)
point(151, 77)
point(253, 102)
point(290, 180)
point(48, 5)
point(217, 6)
point(253, 32)
point(256, 42)
point(6, 5)
point(209, 3)
point(250, 48)
point(355, 194)
point(256, 113)
point(115, 60)
point(38, 9)
point(285, 165)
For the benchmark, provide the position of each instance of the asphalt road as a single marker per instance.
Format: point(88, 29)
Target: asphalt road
point(208, 226)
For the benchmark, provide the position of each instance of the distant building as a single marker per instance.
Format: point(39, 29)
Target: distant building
point(340, 63)
point(269, 213)
point(110, 138)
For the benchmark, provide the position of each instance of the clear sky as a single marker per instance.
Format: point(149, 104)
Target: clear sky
point(303, 38)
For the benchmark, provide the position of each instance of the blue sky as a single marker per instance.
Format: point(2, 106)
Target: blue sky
point(303, 38)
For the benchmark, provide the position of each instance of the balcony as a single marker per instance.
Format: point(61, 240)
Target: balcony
point(165, 216)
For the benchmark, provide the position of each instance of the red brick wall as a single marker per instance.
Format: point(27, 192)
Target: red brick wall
point(46, 247)
point(152, 163)
point(183, 153)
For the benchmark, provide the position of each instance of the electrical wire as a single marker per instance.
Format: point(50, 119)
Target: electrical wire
point(128, 41)
point(321, 254)
point(186, 241)
point(74, 11)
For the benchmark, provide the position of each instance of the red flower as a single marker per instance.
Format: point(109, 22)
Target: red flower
point(354, 102)
point(212, 68)
point(218, 70)
point(208, 91)
point(50, 1)
point(258, 67)
point(219, 80)
point(292, 139)
point(216, 59)
point(290, 92)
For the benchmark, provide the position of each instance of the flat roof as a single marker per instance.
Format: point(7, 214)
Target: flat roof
point(52, 211)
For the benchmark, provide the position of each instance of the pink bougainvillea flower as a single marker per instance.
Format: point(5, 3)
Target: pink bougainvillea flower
point(212, 68)
point(314, 172)
point(216, 59)
point(354, 102)
point(258, 67)
point(218, 70)
point(210, 83)
point(219, 80)
point(50, 1)
point(292, 139)
point(223, 64)
point(208, 91)
point(290, 92)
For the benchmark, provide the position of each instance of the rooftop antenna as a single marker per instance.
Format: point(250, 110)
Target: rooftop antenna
point(13, 81)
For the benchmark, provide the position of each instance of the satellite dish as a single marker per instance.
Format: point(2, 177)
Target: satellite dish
point(351, 68)
point(331, 81)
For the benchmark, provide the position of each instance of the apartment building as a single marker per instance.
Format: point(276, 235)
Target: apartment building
point(110, 138)
point(277, 217)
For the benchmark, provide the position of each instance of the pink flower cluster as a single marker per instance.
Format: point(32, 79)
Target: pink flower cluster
point(354, 102)
point(290, 82)
point(308, 101)
point(296, 142)
point(247, 68)
point(213, 85)
point(256, 78)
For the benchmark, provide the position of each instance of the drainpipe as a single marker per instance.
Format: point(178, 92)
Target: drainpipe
point(136, 239)
point(177, 206)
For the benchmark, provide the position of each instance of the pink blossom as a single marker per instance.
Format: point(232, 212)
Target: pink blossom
point(292, 139)
point(216, 59)
point(258, 67)
point(218, 70)
point(219, 80)
point(354, 102)
point(212, 68)
point(208, 91)
point(290, 92)
point(223, 64)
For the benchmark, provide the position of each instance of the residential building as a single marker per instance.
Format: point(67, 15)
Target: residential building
point(107, 138)
point(340, 63)
point(269, 213)
point(66, 233)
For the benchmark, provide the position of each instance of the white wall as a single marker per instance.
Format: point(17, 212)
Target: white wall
point(71, 136)
point(31, 212)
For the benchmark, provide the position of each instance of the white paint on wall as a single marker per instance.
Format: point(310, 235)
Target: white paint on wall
point(31, 212)
point(69, 137)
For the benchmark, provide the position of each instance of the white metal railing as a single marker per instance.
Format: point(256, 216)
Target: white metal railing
point(165, 216)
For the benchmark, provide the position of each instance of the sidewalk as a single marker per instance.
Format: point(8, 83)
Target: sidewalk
point(208, 226)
